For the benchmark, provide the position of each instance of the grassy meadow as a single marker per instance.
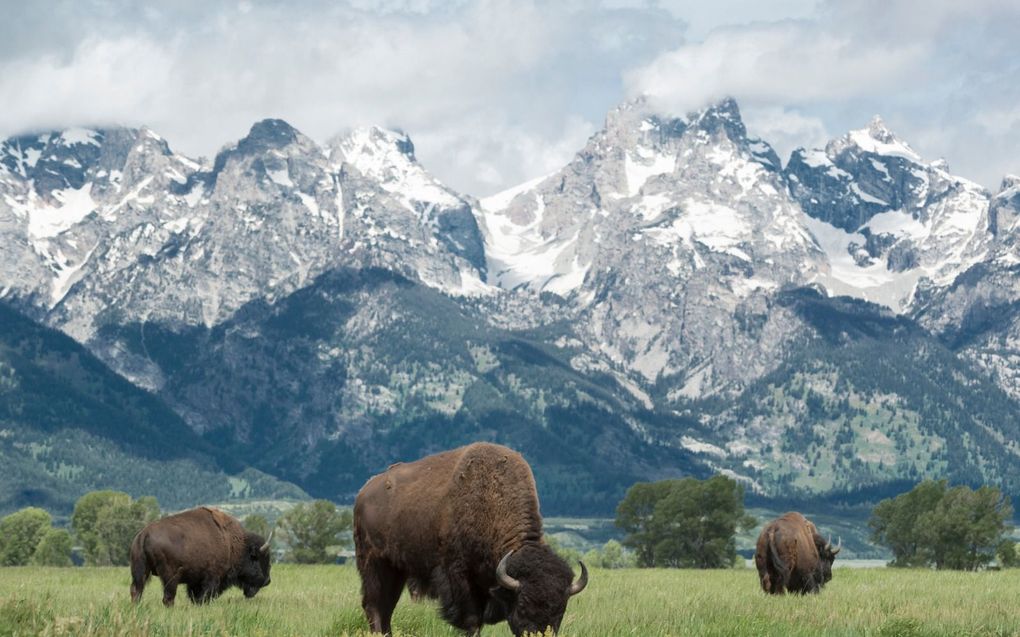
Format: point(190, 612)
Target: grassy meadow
point(323, 600)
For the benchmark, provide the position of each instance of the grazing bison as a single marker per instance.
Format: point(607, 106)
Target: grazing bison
point(204, 549)
point(792, 556)
point(462, 526)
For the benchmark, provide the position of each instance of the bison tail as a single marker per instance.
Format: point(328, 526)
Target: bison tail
point(778, 566)
point(139, 566)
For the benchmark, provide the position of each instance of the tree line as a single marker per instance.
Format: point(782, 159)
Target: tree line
point(104, 523)
point(682, 523)
point(693, 523)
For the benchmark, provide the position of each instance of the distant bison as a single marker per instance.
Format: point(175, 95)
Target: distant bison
point(462, 526)
point(792, 556)
point(205, 549)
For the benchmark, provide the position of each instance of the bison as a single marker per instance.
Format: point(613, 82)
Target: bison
point(463, 527)
point(204, 549)
point(792, 556)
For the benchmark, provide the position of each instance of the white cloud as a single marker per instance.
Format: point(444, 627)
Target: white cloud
point(496, 91)
point(785, 129)
point(944, 74)
point(507, 84)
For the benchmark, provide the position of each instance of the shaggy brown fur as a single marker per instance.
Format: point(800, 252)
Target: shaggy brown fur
point(792, 556)
point(205, 549)
point(442, 524)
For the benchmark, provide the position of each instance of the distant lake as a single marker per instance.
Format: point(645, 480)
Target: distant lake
point(847, 563)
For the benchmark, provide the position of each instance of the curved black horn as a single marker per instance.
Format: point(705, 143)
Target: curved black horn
point(265, 547)
point(581, 582)
point(505, 580)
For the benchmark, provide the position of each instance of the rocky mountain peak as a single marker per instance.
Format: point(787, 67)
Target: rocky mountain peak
point(877, 130)
point(1010, 187)
point(374, 151)
point(721, 117)
point(874, 139)
point(1004, 209)
point(267, 135)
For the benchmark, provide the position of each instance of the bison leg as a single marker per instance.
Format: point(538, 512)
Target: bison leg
point(381, 585)
point(170, 583)
point(460, 605)
point(205, 591)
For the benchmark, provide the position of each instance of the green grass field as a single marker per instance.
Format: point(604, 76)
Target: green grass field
point(323, 600)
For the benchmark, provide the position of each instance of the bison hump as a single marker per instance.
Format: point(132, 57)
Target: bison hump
point(221, 519)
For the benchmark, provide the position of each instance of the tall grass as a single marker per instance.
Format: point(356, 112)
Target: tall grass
point(324, 600)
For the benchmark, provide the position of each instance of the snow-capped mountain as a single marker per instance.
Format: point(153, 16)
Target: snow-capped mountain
point(667, 299)
point(111, 226)
point(667, 234)
point(890, 219)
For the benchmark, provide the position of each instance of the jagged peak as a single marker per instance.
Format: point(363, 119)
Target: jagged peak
point(722, 115)
point(875, 138)
point(374, 150)
point(1010, 187)
point(877, 129)
point(268, 134)
point(375, 139)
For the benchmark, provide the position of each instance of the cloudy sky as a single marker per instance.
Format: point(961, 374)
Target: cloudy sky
point(497, 92)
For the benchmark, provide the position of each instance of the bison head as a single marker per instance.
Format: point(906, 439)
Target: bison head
point(254, 568)
point(534, 586)
point(826, 556)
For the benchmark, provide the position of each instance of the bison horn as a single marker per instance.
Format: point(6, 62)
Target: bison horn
point(581, 582)
point(839, 547)
point(505, 580)
point(265, 547)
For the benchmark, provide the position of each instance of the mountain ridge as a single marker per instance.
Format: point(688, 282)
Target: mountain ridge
point(657, 279)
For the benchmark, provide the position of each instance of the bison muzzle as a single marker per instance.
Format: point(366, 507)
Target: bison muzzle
point(464, 527)
point(205, 549)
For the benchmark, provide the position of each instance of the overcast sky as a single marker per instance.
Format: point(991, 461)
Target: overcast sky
point(494, 93)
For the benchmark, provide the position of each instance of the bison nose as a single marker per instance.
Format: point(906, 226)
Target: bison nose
point(268, 581)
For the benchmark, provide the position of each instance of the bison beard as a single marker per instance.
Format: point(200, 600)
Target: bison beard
point(462, 526)
point(792, 556)
point(205, 549)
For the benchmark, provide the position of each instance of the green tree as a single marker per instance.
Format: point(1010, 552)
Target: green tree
point(965, 528)
point(932, 525)
point(85, 518)
point(105, 522)
point(613, 556)
point(1007, 554)
point(54, 549)
point(257, 524)
point(20, 534)
point(685, 523)
point(635, 515)
point(893, 522)
point(117, 526)
point(314, 531)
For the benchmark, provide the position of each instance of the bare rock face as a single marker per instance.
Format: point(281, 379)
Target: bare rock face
point(668, 236)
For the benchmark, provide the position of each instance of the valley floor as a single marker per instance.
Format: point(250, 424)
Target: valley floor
point(324, 600)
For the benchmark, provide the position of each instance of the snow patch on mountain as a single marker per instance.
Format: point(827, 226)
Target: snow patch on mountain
point(72, 205)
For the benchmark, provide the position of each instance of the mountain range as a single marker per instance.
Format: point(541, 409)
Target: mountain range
point(674, 301)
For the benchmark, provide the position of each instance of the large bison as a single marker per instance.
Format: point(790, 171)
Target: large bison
point(205, 549)
point(462, 526)
point(792, 556)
